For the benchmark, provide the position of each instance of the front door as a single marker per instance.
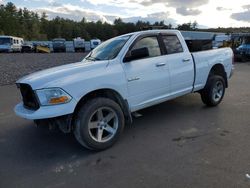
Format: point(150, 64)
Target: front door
point(147, 77)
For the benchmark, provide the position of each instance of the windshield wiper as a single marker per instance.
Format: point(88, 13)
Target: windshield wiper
point(93, 58)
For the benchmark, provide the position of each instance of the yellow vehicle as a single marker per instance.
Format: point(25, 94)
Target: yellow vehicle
point(42, 48)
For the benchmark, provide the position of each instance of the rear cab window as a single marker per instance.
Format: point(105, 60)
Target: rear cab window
point(172, 44)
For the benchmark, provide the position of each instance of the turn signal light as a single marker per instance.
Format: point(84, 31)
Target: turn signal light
point(58, 100)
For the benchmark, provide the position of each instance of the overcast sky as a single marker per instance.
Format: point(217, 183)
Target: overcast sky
point(208, 13)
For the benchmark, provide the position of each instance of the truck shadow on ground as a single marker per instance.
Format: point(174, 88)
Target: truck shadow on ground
point(33, 144)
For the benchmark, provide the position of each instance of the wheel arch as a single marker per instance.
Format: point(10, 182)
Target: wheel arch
point(218, 69)
point(106, 93)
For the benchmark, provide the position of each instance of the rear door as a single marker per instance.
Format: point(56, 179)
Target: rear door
point(180, 65)
point(148, 77)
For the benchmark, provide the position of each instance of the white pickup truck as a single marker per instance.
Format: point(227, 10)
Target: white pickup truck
point(95, 98)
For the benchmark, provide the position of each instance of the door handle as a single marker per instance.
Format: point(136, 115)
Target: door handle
point(186, 60)
point(133, 79)
point(160, 64)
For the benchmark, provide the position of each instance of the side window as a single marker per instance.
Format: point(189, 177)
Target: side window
point(172, 43)
point(151, 43)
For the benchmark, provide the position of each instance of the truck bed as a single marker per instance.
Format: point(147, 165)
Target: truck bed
point(204, 60)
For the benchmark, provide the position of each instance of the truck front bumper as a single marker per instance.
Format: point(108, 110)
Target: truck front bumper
point(45, 112)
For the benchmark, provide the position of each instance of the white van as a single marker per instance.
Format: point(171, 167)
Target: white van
point(94, 43)
point(79, 44)
point(10, 44)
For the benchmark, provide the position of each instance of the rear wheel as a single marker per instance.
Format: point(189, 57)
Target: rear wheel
point(99, 123)
point(214, 90)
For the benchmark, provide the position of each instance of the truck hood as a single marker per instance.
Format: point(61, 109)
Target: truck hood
point(61, 75)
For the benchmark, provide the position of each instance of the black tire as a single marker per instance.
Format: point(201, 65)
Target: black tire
point(87, 117)
point(209, 96)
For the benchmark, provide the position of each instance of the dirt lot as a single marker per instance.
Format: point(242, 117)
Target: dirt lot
point(177, 144)
point(14, 66)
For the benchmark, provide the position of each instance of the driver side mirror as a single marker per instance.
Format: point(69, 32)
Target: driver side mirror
point(136, 54)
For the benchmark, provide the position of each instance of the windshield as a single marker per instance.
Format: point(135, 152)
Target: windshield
point(108, 49)
point(5, 41)
point(246, 40)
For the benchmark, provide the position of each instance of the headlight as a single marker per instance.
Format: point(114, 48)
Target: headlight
point(52, 96)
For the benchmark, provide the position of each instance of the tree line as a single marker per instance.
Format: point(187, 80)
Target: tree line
point(32, 26)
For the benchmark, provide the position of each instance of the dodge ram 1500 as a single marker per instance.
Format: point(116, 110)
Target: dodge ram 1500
point(95, 98)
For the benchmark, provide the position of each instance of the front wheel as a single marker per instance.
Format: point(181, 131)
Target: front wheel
point(214, 90)
point(99, 123)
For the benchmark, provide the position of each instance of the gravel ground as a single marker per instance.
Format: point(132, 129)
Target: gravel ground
point(14, 66)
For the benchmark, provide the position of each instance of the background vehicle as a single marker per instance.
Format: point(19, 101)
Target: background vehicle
point(59, 45)
point(79, 44)
point(94, 43)
point(95, 98)
point(10, 44)
point(220, 40)
point(242, 52)
point(41, 47)
point(27, 47)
